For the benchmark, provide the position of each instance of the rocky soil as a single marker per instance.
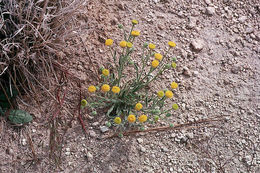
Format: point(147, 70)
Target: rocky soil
point(218, 53)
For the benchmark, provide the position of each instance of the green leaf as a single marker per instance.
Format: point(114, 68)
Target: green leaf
point(19, 117)
point(136, 69)
point(110, 110)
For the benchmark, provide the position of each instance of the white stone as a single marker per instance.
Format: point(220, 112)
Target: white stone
point(210, 11)
point(140, 140)
point(242, 19)
point(92, 133)
point(24, 142)
point(197, 44)
point(95, 124)
point(89, 156)
point(142, 149)
point(104, 129)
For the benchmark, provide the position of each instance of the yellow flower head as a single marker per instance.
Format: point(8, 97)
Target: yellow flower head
point(138, 106)
point(92, 88)
point(169, 94)
point(142, 118)
point(155, 63)
point(152, 46)
point(135, 33)
point(115, 89)
point(84, 102)
point(174, 85)
point(175, 106)
point(134, 22)
point(109, 42)
point(158, 56)
point(129, 44)
point(171, 44)
point(105, 88)
point(105, 72)
point(174, 65)
point(117, 120)
point(131, 118)
point(122, 44)
point(160, 94)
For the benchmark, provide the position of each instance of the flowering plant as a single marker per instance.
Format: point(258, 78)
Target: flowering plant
point(125, 97)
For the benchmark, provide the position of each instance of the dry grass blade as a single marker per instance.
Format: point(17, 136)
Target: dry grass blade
point(32, 34)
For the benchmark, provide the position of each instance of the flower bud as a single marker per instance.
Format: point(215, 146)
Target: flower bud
point(120, 26)
point(145, 45)
point(108, 124)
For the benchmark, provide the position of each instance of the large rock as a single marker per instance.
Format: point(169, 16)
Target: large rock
point(197, 44)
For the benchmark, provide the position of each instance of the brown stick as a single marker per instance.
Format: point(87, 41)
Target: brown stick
point(176, 127)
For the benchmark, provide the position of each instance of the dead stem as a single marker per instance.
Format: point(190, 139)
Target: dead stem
point(191, 125)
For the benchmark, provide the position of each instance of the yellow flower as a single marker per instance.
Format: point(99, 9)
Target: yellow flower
point(171, 44)
point(160, 93)
point(135, 33)
point(152, 46)
point(117, 120)
point(115, 89)
point(105, 88)
point(105, 72)
point(134, 22)
point(142, 118)
point(169, 94)
point(129, 44)
point(174, 85)
point(155, 63)
point(138, 106)
point(158, 56)
point(174, 65)
point(92, 88)
point(131, 118)
point(109, 42)
point(122, 44)
point(84, 102)
point(175, 106)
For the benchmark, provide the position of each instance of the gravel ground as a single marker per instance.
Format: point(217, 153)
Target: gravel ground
point(219, 64)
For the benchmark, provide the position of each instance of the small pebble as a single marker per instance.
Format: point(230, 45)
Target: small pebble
point(104, 129)
point(140, 140)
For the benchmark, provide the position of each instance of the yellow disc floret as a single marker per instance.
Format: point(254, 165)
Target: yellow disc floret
point(174, 65)
point(160, 94)
point(115, 89)
point(84, 102)
point(109, 42)
point(158, 56)
point(105, 88)
point(174, 85)
point(131, 118)
point(123, 44)
point(138, 106)
point(92, 88)
point(129, 44)
point(142, 118)
point(171, 44)
point(105, 72)
point(152, 46)
point(117, 120)
point(134, 22)
point(155, 63)
point(135, 33)
point(175, 106)
point(169, 94)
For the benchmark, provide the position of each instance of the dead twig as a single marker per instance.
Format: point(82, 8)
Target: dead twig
point(190, 125)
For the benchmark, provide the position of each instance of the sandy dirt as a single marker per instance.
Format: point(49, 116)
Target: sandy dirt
point(218, 57)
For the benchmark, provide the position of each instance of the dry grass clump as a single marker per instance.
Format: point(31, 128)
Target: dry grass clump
point(32, 35)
